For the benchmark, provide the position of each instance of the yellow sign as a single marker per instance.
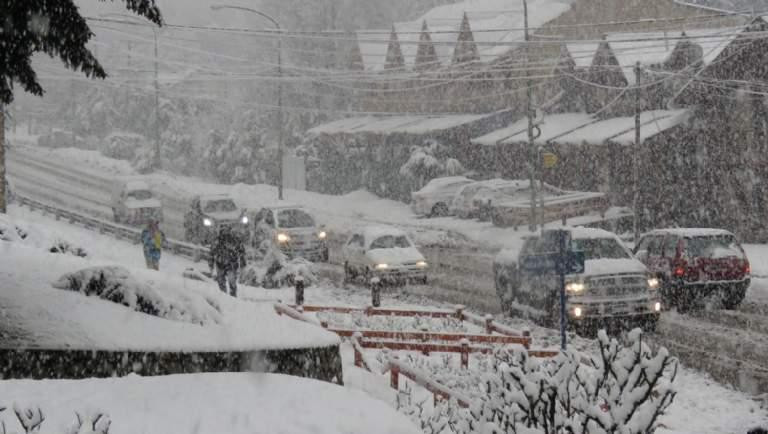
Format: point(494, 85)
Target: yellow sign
point(549, 160)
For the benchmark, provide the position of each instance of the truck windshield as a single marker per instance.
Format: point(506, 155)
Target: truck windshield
point(721, 246)
point(600, 248)
point(219, 205)
point(140, 194)
point(390, 242)
point(295, 218)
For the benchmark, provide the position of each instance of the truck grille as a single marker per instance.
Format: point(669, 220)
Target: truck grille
point(617, 286)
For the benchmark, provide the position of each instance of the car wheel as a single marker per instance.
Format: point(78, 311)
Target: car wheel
point(423, 280)
point(439, 210)
point(347, 273)
point(732, 296)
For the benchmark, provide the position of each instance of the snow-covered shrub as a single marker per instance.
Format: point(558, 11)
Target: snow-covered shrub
point(275, 270)
point(65, 247)
point(9, 231)
point(123, 146)
point(623, 389)
point(430, 161)
point(116, 284)
point(94, 422)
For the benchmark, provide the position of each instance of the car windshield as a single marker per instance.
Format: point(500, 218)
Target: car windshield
point(140, 194)
point(219, 205)
point(600, 248)
point(721, 246)
point(294, 218)
point(390, 242)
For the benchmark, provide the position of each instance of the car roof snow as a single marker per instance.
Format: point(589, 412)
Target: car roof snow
point(690, 232)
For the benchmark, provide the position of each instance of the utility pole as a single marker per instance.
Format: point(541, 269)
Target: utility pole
point(3, 188)
point(532, 154)
point(635, 156)
point(158, 160)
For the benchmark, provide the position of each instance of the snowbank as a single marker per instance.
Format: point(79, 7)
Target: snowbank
point(45, 317)
point(209, 403)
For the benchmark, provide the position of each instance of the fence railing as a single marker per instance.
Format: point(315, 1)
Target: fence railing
point(192, 251)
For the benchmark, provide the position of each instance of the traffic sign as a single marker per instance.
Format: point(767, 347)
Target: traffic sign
point(544, 263)
point(549, 160)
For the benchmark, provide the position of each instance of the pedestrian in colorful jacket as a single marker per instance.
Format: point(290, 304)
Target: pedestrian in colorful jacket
point(153, 240)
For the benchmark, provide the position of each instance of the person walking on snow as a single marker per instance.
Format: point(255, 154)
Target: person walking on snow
point(228, 254)
point(153, 240)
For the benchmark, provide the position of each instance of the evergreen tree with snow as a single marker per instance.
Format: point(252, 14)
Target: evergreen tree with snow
point(466, 49)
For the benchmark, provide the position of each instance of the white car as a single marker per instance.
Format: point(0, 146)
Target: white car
point(384, 252)
point(434, 199)
point(463, 204)
point(133, 202)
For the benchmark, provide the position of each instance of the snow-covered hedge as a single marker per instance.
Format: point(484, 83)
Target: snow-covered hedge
point(116, 284)
point(11, 232)
point(62, 246)
point(623, 389)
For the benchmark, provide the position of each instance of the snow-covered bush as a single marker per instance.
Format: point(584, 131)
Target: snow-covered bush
point(31, 419)
point(430, 161)
point(65, 247)
point(10, 231)
point(275, 270)
point(116, 284)
point(623, 389)
point(123, 146)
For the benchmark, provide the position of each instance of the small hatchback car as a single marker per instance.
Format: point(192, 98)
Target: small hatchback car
point(384, 252)
point(696, 263)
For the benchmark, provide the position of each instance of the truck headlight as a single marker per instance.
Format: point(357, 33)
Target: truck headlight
point(382, 266)
point(322, 235)
point(207, 222)
point(653, 283)
point(283, 238)
point(421, 264)
point(657, 306)
point(575, 287)
point(244, 220)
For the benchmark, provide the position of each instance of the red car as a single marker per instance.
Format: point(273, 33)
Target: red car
point(696, 263)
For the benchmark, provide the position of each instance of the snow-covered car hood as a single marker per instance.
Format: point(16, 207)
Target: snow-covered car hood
point(146, 203)
point(602, 267)
point(224, 215)
point(394, 256)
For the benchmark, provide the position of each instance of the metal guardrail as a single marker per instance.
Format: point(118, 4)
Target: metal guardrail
point(181, 248)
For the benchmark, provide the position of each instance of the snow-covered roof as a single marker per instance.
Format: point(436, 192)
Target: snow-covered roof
point(491, 22)
point(578, 128)
point(653, 48)
point(136, 186)
point(691, 232)
point(215, 196)
point(416, 124)
point(582, 53)
point(582, 233)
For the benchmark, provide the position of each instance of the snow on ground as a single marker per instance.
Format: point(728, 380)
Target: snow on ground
point(209, 403)
point(702, 405)
point(53, 318)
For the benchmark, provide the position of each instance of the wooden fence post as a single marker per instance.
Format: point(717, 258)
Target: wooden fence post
point(464, 353)
point(299, 284)
point(394, 377)
point(489, 324)
point(527, 334)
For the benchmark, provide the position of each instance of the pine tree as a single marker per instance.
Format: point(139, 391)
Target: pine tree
point(466, 49)
point(426, 55)
point(56, 28)
point(394, 57)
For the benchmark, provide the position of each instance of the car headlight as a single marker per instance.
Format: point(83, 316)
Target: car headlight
point(244, 220)
point(653, 283)
point(322, 235)
point(577, 312)
point(283, 238)
point(657, 306)
point(207, 222)
point(575, 287)
point(382, 266)
point(421, 264)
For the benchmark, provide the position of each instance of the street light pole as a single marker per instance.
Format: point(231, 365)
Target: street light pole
point(532, 154)
point(279, 88)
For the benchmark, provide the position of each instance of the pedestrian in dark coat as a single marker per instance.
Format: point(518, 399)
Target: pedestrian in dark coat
point(153, 239)
point(228, 255)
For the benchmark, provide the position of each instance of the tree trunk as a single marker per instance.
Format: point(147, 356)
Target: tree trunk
point(2, 161)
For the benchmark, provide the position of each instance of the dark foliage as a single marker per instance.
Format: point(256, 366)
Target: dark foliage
point(54, 27)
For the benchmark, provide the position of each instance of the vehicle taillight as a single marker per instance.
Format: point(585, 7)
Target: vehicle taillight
point(747, 268)
point(679, 269)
